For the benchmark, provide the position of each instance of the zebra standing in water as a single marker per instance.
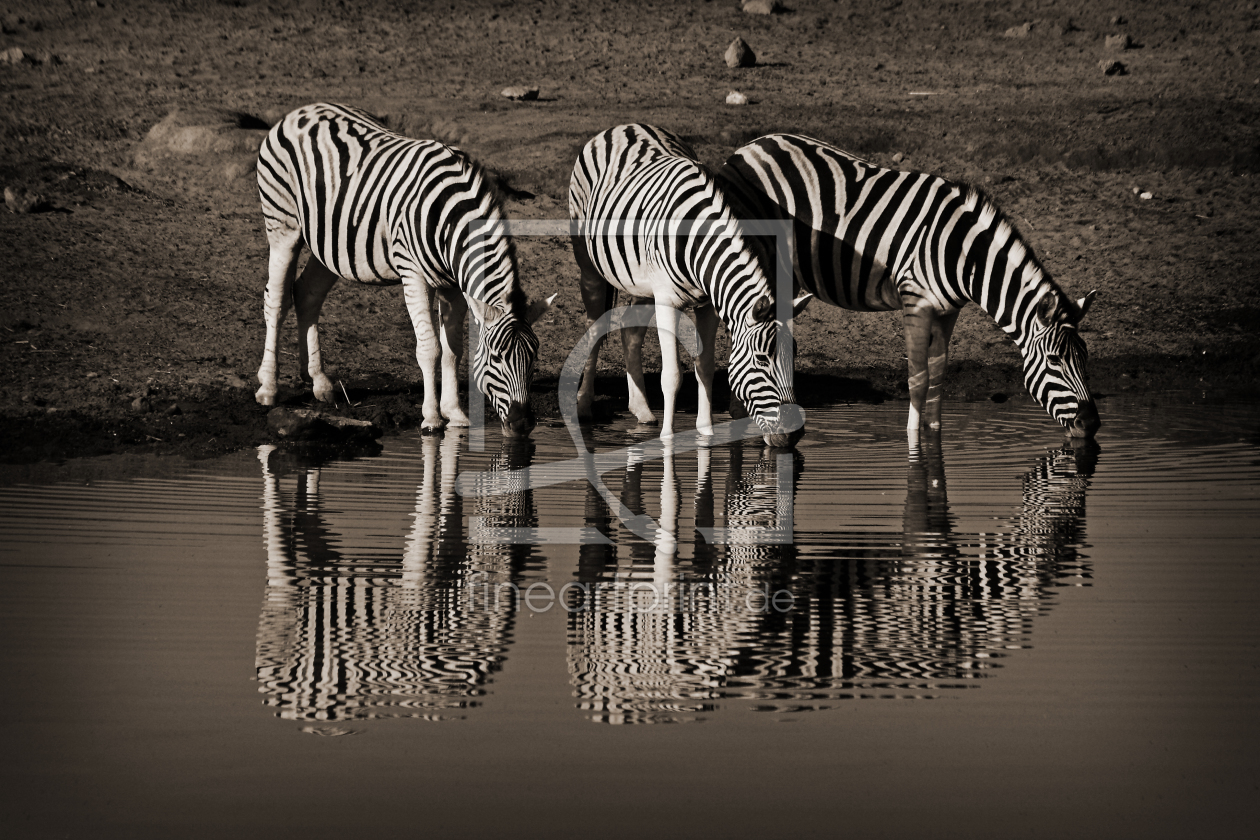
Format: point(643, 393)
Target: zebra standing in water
point(383, 209)
point(873, 239)
point(651, 221)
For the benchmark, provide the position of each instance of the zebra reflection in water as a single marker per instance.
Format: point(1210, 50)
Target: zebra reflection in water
point(903, 619)
point(659, 641)
point(347, 635)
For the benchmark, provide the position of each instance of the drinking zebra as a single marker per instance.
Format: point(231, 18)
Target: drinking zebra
point(651, 221)
point(380, 208)
point(874, 239)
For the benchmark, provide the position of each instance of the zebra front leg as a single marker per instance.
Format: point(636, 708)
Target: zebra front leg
point(918, 326)
point(937, 364)
point(667, 318)
point(419, 298)
point(309, 293)
point(452, 310)
point(706, 328)
point(285, 244)
point(634, 329)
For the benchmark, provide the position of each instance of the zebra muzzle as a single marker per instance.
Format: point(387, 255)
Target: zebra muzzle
point(1086, 424)
point(786, 429)
point(519, 421)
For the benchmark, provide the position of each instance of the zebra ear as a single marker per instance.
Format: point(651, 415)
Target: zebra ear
point(485, 313)
point(762, 311)
point(1046, 308)
point(798, 305)
point(538, 308)
point(1082, 305)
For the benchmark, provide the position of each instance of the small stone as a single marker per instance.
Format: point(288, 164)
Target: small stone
point(172, 410)
point(739, 54)
point(736, 98)
point(898, 158)
point(1111, 67)
point(141, 405)
point(1118, 20)
point(519, 93)
point(1146, 196)
point(761, 7)
point(13, 55)
point(1118, 42)
point(1021, 31)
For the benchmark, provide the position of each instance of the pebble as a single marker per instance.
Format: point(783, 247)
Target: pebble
point(1111, 67)
point(1021, 31)
point(520, 93)
point(1146, 196)
point(736, 98)
point(1118, 42)
point(739, 54)
point(761, 7)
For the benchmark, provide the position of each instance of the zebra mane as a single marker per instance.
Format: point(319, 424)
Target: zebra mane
point(490, 181)
point(991, 217)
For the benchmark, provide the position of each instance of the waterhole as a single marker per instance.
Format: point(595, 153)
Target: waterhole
point(987, 631)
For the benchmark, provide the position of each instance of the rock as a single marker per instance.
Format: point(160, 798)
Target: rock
point(307, 424)
point(172, 410)
point(141, 405)
point(739, 54)
point(519, 93)
point(736, 98)
point(13, 55)
point(761, 7)
point(1118, 20)
point(1112, 67)
point(1146, 196)
point(19, 200)
point(1021, 31)
point(1118, 42)
point(898, 158)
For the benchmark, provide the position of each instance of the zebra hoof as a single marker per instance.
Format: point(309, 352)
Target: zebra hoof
point(431, 429)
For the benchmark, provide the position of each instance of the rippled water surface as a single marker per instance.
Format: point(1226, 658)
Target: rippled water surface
point(985, 634)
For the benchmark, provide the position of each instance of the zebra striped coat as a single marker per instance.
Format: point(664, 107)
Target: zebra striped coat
point(651, 221)
point(873, 239)
point(383, 209)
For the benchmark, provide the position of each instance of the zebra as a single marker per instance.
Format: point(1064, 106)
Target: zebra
point(380, 208)
point(874, 239)
point(648, 219)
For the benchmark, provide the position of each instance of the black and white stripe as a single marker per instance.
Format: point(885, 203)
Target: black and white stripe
point(652, 222)
point(380, 208)
point(874, 239)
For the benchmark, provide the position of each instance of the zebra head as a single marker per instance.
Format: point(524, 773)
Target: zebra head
point(761, 363)
point(503, 363)
point(1055, 362)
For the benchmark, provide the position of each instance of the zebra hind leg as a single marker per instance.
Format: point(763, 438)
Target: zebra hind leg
point(285, 243)
point(309, 293)
point(598, 296)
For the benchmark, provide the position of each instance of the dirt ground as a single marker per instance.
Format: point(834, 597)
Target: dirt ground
point(130, 300)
